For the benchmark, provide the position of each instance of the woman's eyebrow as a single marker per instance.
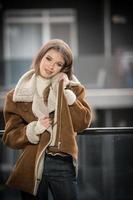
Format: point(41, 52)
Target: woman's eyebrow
point(60, 61)
point(49, 55)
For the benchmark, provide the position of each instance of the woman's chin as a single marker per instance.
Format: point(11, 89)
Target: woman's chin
point(47, 76)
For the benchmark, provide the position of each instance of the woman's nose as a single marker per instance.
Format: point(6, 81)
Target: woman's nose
point(51, 65)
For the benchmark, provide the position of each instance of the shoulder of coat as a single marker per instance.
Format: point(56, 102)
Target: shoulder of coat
point(76, 88)
point(9, 94)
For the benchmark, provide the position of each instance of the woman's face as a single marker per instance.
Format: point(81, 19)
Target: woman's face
point(51, 63)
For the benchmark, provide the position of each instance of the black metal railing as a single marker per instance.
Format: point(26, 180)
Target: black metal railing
point(100, 130)
point(105, 163)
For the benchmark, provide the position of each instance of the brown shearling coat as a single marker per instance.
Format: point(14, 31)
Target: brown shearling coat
point(70, 120)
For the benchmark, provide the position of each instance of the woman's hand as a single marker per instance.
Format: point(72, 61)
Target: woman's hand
point(65, 79)
point(36, 128)
point(46, 121)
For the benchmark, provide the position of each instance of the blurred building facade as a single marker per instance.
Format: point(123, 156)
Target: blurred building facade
point(100, 35)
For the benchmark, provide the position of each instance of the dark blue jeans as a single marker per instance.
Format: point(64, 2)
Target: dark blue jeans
point(59, 176)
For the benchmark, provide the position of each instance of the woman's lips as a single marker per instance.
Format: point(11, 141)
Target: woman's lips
point(48, 72)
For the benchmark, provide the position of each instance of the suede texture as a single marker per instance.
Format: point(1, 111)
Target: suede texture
point(70, 120)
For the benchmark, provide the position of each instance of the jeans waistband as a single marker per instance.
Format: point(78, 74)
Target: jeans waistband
point(60, 157)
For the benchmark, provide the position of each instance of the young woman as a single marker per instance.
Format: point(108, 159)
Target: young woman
point(42, 117)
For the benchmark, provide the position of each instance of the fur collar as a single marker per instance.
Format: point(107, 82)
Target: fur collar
point(27, 84)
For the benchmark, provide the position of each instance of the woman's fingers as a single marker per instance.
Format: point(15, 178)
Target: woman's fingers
point(46, 121)
point(64, 77)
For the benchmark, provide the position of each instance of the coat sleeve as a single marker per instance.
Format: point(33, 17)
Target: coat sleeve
point(80, 110)
point(15, 127)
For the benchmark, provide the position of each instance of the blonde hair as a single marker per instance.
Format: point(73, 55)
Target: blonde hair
point(61, 47)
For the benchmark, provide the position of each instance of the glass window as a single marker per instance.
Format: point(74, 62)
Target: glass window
point(26, 30)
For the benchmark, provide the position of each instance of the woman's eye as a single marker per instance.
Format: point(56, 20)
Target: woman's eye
point(49, 59)
point(60, 65)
